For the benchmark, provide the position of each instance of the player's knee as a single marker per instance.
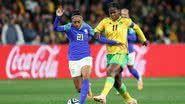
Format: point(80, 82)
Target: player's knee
point(86, 72)
point(86, 76)
point(112, 72)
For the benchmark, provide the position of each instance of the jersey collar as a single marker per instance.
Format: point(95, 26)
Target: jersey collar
point(117, 19)
point(83, 24)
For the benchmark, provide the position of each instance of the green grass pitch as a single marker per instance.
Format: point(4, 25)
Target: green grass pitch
point(58, 91)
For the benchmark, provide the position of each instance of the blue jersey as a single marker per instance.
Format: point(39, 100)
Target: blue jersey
point(131, 39)
point(79, 39)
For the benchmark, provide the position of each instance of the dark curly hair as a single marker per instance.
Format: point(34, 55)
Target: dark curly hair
point(75, 12)
point(114, 5)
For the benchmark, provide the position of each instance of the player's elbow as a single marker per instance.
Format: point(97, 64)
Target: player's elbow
point(135, 27)
point(54, 28)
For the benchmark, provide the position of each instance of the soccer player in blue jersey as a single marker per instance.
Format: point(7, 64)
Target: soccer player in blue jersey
point(131, 55)
point(80, 60)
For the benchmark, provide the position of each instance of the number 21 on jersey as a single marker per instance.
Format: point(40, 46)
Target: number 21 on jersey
point(79, 37)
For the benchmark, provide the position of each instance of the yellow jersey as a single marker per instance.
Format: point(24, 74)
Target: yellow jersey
point(117, 30)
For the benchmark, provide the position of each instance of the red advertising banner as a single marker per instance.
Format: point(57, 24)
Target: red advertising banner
point(50, 61)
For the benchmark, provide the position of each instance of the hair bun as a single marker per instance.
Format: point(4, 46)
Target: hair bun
point(75, 12)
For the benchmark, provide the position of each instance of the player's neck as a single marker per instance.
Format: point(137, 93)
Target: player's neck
point(116, 19)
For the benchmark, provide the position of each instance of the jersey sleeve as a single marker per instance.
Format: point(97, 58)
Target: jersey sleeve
point(90, 31)
point(62, 28)
point(129, 22)
point(101, 39)
point(137, 29)
point(131, 35)
point(100, 27)
point(104, 40)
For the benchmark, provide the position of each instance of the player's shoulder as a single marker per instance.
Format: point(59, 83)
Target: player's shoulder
point(67, 26)
point(106, 20)
point(86, 25)
point(126, 19)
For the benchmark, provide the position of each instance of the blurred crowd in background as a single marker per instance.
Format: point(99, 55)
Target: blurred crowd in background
point(30, 21)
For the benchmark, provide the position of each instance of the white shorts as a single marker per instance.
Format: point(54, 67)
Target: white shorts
point(131, 58)
point(76, 66)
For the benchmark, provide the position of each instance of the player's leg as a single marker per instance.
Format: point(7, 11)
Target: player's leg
point(112, 70)
point(137, 76)
point(121, 88)
point(78, 83)
point(88, 61)
point(86, 71)
point(133, 71)
point(76, 74)
point(114, 61)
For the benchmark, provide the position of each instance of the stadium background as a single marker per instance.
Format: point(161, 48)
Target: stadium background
point(38, 53)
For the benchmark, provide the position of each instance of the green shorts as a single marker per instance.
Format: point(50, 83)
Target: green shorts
point(118, 58)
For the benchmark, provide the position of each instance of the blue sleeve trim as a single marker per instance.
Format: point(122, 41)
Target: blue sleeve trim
point(106, 41)
point(67, 26)
point(132, 25)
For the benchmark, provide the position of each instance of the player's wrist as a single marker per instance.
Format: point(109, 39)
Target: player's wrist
point(145, 43)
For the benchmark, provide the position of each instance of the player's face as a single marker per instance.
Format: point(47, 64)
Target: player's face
point(77, 21)
point(124, 13)
point(114, 13)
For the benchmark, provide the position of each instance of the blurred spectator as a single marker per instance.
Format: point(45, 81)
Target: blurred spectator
point(162, 21)
point(181, 33)
point(51, 7)
point(159, 33)
point(29, 32)
point(30, 5)
point(173, 33)
point(36, 41)
point(11, 32)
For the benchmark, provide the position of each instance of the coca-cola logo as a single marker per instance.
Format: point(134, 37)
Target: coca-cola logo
point(39, 64)
point(140, 61)
point(100, 63)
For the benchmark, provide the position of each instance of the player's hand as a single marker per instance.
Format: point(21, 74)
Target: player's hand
point(97, 35)
point(145, 43)
point(121, 45)
point(59, 11)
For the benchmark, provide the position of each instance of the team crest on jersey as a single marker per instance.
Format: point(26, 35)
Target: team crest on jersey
point(85, 30)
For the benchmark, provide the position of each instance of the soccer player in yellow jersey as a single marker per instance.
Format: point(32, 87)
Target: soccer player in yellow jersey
point(115, 28)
